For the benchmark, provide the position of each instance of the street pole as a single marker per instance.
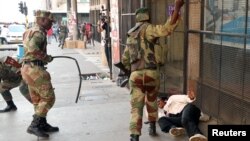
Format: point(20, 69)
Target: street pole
point(142, 3)
point(75, 19)
point(25, 12)
point(109, 39)
point(68, 5)
point(27, 22)
point(68, 11)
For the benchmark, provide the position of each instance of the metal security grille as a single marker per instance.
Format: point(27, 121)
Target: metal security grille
point(127, 19)
point(172, 75)
point(225, 61)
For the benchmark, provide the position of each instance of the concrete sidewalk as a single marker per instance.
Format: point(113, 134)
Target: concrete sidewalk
point(101, 113)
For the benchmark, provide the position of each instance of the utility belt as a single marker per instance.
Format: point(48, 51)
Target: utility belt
point(151, 68)
point(35, 63)
point(140, 65)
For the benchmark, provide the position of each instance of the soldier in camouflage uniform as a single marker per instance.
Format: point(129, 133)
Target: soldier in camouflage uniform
point(10, 78)
point(63, 33)
point(139, 58)
point(35, 74)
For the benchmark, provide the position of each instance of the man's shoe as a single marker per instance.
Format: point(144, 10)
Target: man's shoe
point(177, 131)
point(9, 108)
point(134, 137)
point(198, 137)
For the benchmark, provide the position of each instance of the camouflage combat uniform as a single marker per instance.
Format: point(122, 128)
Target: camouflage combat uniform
point(11, 78)
point(63, 31)
point(36, 75)
point(144, 81)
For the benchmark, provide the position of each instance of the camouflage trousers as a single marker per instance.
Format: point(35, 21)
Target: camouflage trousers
point(62, 38)
point(40, 88)
point(144, 86)
point(7, 86)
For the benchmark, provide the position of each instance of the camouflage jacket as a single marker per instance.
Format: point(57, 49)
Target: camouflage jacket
point(63, 30)
point(35, 44)
point(139, 53)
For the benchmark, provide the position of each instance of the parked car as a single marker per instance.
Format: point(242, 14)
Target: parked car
point(14, 34)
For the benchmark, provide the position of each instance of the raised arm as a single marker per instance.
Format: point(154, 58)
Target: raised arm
point(175, 14)
point(166, 29)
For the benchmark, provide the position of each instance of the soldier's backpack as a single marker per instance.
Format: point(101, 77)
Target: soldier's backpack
point(134, 47)
point(159, 51)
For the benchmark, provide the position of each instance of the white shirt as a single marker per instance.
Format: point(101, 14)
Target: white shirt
point(176, 103)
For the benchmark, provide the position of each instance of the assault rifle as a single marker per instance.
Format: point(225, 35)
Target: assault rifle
point(8, 73)
point(12, 62)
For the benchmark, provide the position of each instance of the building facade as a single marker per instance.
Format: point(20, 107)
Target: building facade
point(219, 57)
point(122, 18)
point(61, 8)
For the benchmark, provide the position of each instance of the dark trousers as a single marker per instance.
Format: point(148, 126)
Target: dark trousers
point(108, 53)
point(62, 38)
point(188, 118)
point(54, 35)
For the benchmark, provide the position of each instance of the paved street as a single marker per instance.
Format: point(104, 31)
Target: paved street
point(101, 113)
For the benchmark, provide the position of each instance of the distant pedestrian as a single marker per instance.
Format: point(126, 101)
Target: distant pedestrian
point(49, 35)
point(89, 33)
point(35, 74)
point(55, 31)
point(63, 33)
point(104, 28)
point(83, 32)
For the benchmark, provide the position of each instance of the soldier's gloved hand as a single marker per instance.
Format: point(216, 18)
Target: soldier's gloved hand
point(50, 58)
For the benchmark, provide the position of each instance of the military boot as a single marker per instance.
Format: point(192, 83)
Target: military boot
point(152, 128)
point(10, 107)
point(47, 127)
point(134, 137)
point(34, 127)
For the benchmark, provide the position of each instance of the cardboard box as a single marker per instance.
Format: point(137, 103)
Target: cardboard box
point(81, 44)
point(70, 44)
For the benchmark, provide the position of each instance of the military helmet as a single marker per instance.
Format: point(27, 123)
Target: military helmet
point(142, 14)
point(44, 14)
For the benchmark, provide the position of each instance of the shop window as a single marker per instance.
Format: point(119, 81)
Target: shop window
point(226, 17)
